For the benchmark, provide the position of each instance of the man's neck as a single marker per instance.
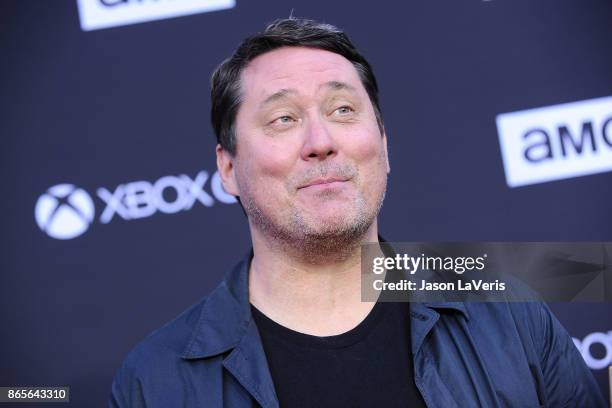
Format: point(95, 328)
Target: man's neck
point(318, 295)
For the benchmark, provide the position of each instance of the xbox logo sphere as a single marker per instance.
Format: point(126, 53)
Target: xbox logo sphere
point(64, 211)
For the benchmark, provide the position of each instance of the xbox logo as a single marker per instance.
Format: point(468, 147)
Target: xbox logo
point(64, 211)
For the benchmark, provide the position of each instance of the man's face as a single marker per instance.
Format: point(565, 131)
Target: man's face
point(310, 160)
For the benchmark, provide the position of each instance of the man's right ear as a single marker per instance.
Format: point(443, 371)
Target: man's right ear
point(225, 165)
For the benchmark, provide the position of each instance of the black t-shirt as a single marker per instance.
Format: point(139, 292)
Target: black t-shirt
point(368, 366)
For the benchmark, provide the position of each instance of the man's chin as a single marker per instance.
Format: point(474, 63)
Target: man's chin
point(335, 226)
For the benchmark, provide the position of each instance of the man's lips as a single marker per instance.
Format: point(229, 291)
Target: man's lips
point(323, 181)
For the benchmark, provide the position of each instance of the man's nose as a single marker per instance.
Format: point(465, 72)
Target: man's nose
point(318, 141)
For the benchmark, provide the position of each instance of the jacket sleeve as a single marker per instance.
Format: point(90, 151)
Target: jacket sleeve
point(126, 390)
point(567, 379)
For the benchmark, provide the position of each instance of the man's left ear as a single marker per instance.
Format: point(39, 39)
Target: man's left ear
point(226, 168)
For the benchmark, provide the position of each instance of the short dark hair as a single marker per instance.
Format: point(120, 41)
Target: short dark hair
point(225, 81)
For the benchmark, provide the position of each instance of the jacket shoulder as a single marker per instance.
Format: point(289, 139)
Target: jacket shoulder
point(561, 373)
point(171, 338)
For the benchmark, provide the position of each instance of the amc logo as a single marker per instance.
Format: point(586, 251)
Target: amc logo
point(97, 14)
point(556, 142)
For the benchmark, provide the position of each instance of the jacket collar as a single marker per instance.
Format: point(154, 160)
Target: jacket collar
point(226, 316)
point(225, 324)
point(417, 309)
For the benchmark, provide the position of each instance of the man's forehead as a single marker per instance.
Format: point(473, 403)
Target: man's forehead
point(281, 72)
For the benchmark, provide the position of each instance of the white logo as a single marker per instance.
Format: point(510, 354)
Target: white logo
point(140, 199)
point(64, 212)
point(96, 14)
point(556, 142)
point(584, 346)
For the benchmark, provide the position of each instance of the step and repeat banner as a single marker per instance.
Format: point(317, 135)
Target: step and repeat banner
point(114, 220)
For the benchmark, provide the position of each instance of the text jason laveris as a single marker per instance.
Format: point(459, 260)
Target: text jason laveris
point(461, 285)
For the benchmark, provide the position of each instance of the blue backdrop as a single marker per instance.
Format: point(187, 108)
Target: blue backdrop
point(113, 221)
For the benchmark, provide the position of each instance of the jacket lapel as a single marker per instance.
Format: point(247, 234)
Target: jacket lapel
point(247, 363)
point(226, 324)
point(423, 317)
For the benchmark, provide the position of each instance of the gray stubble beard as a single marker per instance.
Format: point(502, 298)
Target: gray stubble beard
point(314, 245)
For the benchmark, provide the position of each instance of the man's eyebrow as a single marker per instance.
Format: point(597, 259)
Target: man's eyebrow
point(283, 93)
point(339, 86)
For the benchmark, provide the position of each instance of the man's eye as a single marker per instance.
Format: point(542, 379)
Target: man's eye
point(283, 119)
point(344, 110)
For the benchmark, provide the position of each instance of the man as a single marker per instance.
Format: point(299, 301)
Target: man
point(302, 144)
